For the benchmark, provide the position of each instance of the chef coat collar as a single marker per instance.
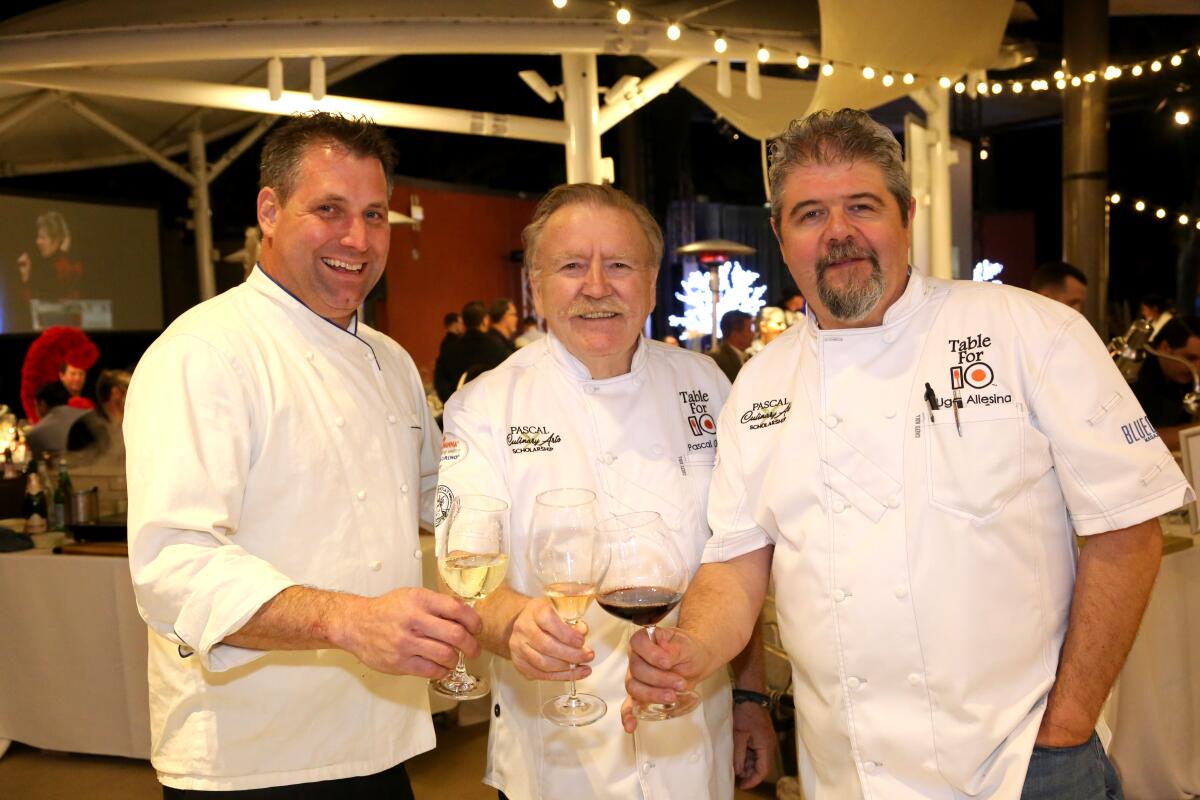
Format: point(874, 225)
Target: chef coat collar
point(578, 370)
point(908, 302)
point(268, 286)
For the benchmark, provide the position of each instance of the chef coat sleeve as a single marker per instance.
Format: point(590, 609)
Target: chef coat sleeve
point(734, 529)
point(1113, 469)
point(188, 432)
point(471, 462)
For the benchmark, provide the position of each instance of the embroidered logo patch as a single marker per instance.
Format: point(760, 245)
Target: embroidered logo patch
point(443, 500)
point(695, 404)
point(1140, 430)
point(531, 439)
point(766, 413)
point(454, 450)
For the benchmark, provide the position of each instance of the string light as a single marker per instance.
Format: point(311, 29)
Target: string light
point(1182, 117)
point(983, 154)
point(1161, 213)
point(868, 73)
point(827, 69)
point(1114, 198)
point(944, 82)
point(981, 87)
point(560, 3)
point(1059, 74)
point(960, 87)
point(764, 55)
point(1155, 66)
point(1017, 88)
point(1183, 219)
point(909, 78)
point(1111, 72)
point(673, 31)
point(1060, 83)
point(802, 61)
point(997, 88)
point(720, 45)
point(887, 79)
point(1136, 70)
point(1176, 60)
point(623, 15)
point(1076, 81)
point(1179, 215)
point(1089, 78)
point(1139, 206)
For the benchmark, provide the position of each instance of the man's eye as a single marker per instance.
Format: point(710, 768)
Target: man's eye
point(620, 265)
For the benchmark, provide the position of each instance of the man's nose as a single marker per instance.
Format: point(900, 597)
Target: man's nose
point(838, 226)
point(595, 282)
point(355, 236)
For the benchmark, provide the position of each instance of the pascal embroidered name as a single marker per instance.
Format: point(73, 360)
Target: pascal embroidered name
point(531, 439)
point(766, 413)
point(1140, 430)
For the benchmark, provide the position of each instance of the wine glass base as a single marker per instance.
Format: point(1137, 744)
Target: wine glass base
point(471, 688)
point(583, 709)
point(650, 712)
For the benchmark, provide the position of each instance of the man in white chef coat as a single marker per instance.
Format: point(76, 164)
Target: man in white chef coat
point(279, 455)
point(595, 405)
point(912, 467)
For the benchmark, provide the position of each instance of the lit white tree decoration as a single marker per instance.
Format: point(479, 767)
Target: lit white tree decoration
point(738, 292)
point(987, 271)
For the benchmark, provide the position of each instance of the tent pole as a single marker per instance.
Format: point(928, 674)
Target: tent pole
point(941, 158)
point(581, 110)
point(201, 216)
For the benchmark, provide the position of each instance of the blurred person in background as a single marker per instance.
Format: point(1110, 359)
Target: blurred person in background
point(737, 334)
point(1162, 382)
point(1157, 310)
point(530, 332)
point(1060, 281)
point(447, 369)
point(504, 321)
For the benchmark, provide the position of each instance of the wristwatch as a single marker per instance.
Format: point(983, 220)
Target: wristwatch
point(749, 696)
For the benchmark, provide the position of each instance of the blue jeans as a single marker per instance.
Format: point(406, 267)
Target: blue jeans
point(1072, 773)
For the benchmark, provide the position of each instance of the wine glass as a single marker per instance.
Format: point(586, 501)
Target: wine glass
point(569, 559)
point(472, 554)
point(645, 581)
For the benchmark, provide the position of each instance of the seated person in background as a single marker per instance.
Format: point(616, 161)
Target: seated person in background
point(106, 423)
point(57, 431)
point(793, 304)
point(530, 332)
point(1162, 383)
point(1157, 310)
point(737, 334)
point(1060, 281)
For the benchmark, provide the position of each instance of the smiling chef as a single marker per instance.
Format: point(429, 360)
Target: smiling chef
point(594, 405)
point(913, 465)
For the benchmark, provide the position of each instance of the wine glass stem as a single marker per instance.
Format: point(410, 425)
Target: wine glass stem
point(460, 672)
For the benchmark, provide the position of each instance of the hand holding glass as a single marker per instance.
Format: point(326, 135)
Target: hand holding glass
point(569, 559)
point(472, 554)
point(645, 581)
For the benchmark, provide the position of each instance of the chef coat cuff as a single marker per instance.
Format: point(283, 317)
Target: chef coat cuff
point(202, 634)
point(728, 546)
point(1139, 511)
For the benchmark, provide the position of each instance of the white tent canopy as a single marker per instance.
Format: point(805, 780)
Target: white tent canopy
point(162, 79)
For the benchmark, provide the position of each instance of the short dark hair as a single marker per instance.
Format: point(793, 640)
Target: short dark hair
point(733, 322)
point(1055, 273)
point(111, 379)
point(530, 320)
point(279, 166)
point(53, 394)
point(1156, 300)
point(450, 319)
point(1175, 333)
point(787, 295)
point(473, 314)
point(499, 309)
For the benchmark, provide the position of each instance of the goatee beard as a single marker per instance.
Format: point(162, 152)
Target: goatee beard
point(855, 300)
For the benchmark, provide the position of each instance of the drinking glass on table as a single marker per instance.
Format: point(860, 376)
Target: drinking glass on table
point(472, 555)
point(569, 559)
point(645, 581)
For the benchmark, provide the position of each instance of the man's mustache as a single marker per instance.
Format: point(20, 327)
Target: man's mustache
point(844, 251)
point(609, 305)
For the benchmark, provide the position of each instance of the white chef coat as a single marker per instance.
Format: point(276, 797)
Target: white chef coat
point(269, 447)
point(643, 441)
point(923, 579)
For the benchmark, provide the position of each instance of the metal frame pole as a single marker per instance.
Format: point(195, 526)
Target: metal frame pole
point(201, 214)
point(581, 112)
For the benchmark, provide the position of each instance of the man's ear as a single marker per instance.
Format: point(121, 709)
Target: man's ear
point(268, 211)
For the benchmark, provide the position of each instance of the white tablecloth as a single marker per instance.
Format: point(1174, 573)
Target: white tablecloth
point(72, 655)
point(1155, 709)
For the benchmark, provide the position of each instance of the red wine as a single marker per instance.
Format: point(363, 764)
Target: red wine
point(641, 605)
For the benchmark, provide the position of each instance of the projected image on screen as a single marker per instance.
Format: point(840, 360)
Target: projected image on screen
point(88, 265)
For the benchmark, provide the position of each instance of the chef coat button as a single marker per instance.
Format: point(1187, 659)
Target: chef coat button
point(693, 758)
point(901, 592)
point(367, 356)
point(590, 389)
point(838, 506)
point(890, 413)
point(404, 488)
point(637, 382)
point(914, 679)
point(656, 450)
point(361, 494)
point(839, 595)
point(606, 458)
point(392, 418)
point(929, 766)
point(309, 355)
point(339, 421)
point(889, 337)
point(417, 553)
point(496, 710)
point(893, 501)
point(649, 765)
point(853, 682)
point(871, 766)
point(831, 420)
point(375, 565)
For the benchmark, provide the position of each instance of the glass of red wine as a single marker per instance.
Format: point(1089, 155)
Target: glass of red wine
point(645, 581)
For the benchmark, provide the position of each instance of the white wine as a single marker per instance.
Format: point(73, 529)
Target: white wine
point(473, 576)
point(571, 598)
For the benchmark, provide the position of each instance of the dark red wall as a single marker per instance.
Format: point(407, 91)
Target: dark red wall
point(1009, 239)
point(462, 252)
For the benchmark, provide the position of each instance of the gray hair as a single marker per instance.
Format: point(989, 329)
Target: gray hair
point(597, 195)
point(279, 166)
point(55, 226)
point(833, 137)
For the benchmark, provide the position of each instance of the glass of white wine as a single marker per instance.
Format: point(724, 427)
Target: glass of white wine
point(645, 581)
point(569, 559)
point(472, 554)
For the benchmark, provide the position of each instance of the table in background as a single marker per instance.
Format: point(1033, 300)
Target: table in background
point(73, 663)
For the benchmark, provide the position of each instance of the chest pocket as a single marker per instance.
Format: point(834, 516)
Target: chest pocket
point(975, 475)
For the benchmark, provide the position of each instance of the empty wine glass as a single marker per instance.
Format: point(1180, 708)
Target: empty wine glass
point(645, 581)
point(569, 559)
point(472, 554)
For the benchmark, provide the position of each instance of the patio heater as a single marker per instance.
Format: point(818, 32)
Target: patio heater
point(712, 253)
